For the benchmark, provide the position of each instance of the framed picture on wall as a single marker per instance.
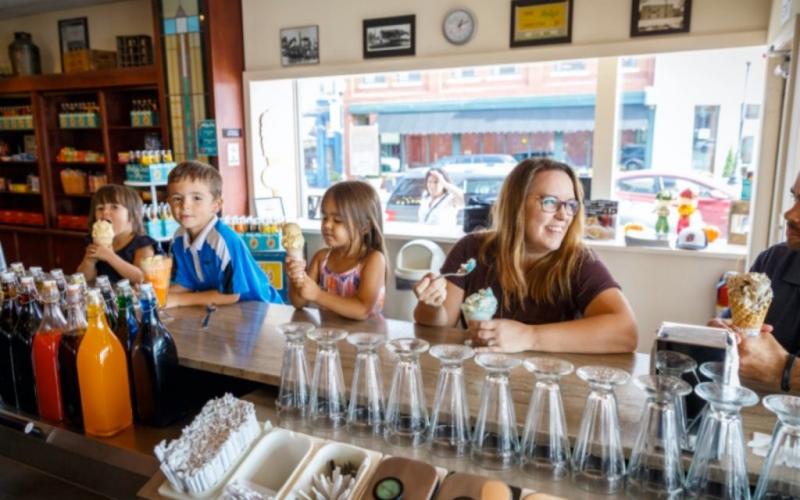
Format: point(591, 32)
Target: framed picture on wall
point(389, 36)
point(660, 17)
point(73, 34)
point(300, 45)
point(540, 22)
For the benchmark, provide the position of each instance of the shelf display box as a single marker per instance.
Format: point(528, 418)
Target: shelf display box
point(78, 120)
point(273, 265)
point(161, 228)
point(144, 119)
point(22, 122)
point(78, 222)
point(262, 242)
point(156, 172)
point(76, 61)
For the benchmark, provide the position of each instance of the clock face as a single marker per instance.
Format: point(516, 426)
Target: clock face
point(458, 26)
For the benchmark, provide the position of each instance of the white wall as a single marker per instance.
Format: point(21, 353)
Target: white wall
point(106, 22)
point(600, 27)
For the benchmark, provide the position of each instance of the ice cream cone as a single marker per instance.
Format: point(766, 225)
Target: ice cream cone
point(292, 240)
point(103, 233)
point(749, 296)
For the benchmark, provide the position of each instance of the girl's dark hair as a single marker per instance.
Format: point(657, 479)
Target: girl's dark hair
point(121, 195)
point(360, 207)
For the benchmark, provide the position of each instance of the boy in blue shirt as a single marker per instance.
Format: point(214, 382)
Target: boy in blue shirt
point(210, 261)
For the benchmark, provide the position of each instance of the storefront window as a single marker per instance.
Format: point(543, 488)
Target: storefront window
point(694, 126)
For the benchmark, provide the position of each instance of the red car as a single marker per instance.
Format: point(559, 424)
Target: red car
point(636, 192)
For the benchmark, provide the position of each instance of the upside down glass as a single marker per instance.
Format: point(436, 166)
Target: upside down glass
point(545, 443)
point(292, 402)
point(449, 432)
point(779, 475)
point(676, 364)
point(406, 421)
point(327, 405)
point(655, 470)
point(366, 408)
point(495, 441)
point(718, 468)
point(598, 462)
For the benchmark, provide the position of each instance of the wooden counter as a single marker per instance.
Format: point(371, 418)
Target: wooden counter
point(242, 341)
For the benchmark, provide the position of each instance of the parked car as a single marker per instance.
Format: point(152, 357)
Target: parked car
point(632, 157)
point(486, 160)
point(636, 192)
point(475, 181)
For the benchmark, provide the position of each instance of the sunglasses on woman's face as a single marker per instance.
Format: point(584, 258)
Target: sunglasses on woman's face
point(552, 204)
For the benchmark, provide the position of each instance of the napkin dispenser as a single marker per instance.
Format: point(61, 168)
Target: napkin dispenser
point(703, 344)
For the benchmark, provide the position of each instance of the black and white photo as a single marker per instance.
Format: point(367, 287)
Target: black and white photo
point(300, 45)
point(389, 36)
point(659, 17)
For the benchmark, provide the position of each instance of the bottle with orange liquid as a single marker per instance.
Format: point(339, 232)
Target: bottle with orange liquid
point(102, 374)
point(45, 354)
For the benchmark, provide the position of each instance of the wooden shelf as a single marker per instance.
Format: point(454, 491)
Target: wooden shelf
point(19, 163)
point(22, 130)
point(68, 232)
point(128, 128)
point(118, 77)
point(64, 195)
point(67, 164)
point(21, 228)
point(18, 193)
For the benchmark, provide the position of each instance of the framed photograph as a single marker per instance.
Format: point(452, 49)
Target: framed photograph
point(300, 45)
point(73, 34)
point(660, 17)
point(271, 207)
point(389, 36)
point(540, 22)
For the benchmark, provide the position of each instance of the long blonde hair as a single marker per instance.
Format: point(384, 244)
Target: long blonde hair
point(360, 207)
point(547, 281)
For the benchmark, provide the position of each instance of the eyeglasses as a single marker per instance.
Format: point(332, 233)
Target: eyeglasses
point(552, 204)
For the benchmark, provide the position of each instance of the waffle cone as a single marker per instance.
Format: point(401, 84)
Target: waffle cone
point(747, 318)
point(104, 242)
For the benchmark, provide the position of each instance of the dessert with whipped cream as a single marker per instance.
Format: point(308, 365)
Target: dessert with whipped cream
point(103, 233)
point(292, 240)
point(480, 306)
point(467, 267)
point(749, 295)
point(210, 446)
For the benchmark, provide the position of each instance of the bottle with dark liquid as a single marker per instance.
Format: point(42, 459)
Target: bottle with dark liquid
point(8, 321)
point(45, 354)
point(68, 357)
point(110, 299)
point(155, 365)
point(30, 315)
point(127, 330)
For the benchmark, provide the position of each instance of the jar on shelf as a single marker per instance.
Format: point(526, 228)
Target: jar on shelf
point(24, 55)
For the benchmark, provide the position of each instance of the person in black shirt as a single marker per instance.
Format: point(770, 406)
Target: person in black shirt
point(770, 357)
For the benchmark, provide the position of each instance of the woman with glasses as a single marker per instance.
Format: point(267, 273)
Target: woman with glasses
point(553, 293)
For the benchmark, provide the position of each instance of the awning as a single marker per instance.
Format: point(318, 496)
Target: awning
point(530, 120)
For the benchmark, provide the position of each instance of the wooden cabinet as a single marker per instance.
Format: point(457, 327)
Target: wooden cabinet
point(56, 238)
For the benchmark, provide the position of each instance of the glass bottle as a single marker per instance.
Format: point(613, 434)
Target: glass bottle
point(102, 374)
point(45, 354)
point(8, 320)
point(30, 315)
point(68, 357)
point(127, 324)
point(110, 299)
point(154, 363)
point(80, 280)
point(58, 276)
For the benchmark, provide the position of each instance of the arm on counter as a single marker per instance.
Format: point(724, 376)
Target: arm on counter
point(763, 359)
point(182, 297)
point(608, 326)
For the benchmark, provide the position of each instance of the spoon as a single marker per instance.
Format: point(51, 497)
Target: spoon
point(210, 308)
point(464, 269)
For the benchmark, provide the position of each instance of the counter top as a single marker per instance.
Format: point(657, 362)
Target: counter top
point(243, 341)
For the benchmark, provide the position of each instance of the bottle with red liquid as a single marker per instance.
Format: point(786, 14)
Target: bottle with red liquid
point(8, 320)
point(155, 365)
point(68, 357)
point(45, 354)
point(30, 315)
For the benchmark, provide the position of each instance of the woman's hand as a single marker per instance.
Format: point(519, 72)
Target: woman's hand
point(431, 290)
point(501, 335)
point(100, 252)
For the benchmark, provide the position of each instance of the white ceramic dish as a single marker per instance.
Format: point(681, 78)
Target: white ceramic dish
point(275, 459)
point(166, 489)
point(365, 460)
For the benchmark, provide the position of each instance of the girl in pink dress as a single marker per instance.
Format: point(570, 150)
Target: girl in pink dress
point(347, 277)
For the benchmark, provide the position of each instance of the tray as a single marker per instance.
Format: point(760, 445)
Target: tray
point(366, 460)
